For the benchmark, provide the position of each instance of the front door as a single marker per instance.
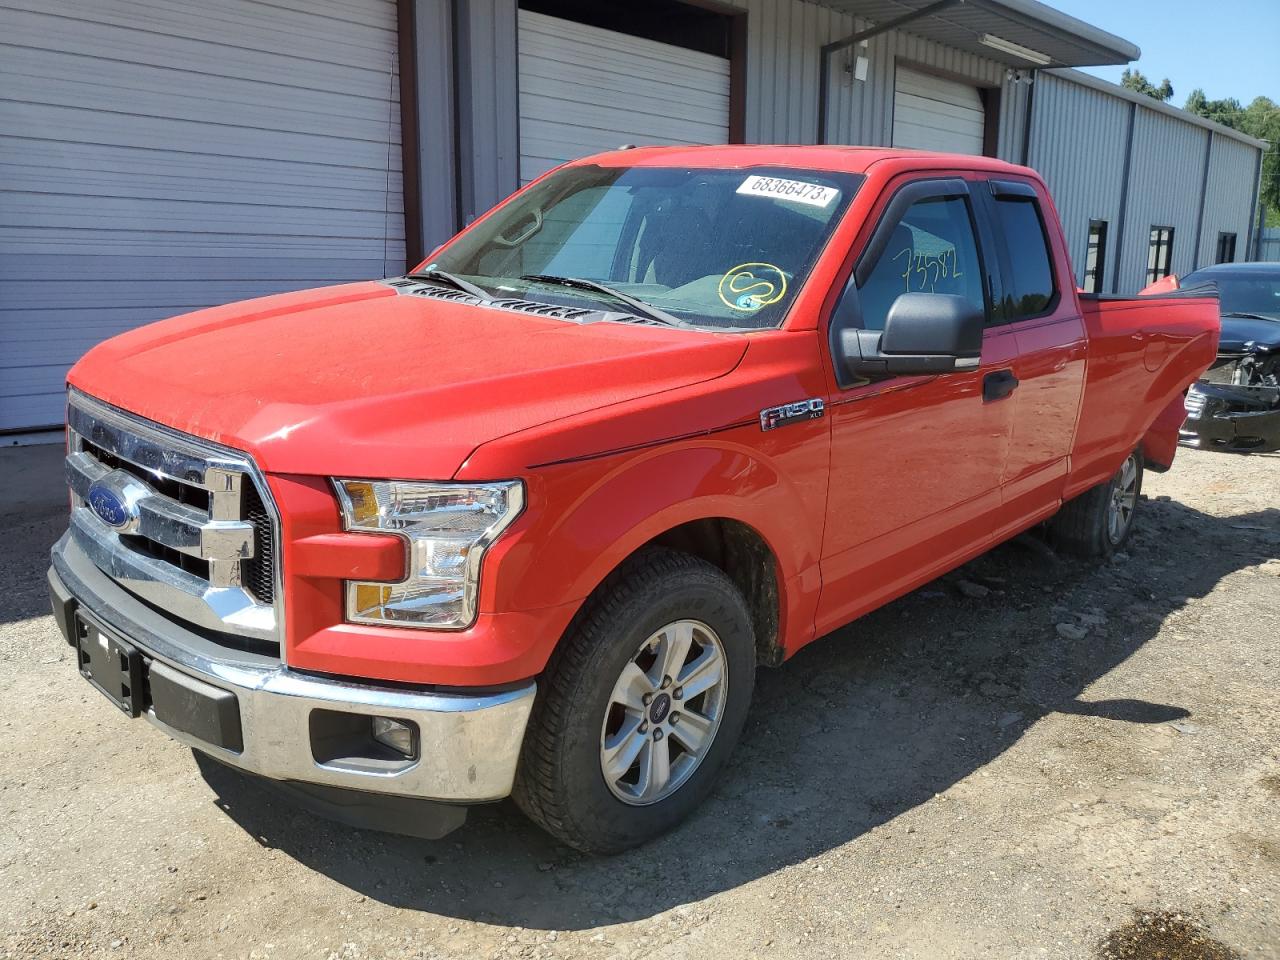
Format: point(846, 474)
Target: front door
point(916, 462)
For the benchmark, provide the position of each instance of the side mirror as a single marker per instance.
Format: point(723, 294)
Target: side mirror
point(924, 333)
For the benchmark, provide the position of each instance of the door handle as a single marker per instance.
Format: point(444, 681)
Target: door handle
point(998, 385)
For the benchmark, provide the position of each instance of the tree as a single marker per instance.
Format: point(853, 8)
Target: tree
point(1227, 112)
point(1136, 81)
point(1261, 119)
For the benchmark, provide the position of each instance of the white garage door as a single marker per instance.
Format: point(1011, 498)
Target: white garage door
point(160, 156)
point(932, 113)
point(584, 90)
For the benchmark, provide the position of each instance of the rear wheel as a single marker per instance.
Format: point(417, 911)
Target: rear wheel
point(1099, 521)
point(641, 705)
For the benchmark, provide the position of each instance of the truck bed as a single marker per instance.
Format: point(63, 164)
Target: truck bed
point(1144, 352)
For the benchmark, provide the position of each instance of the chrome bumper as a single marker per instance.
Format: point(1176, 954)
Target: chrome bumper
point(469, 743)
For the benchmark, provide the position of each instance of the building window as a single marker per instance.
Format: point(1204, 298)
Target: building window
point(1160, 254)
point(1095, 257)
point(1226, 248)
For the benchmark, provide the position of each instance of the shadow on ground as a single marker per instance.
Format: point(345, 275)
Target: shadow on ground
point(33, 514)
point(855, 730)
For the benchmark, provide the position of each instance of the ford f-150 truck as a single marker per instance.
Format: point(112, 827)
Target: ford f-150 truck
point(526, 520)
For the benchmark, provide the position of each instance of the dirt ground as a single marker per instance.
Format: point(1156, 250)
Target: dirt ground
point(1048, 760)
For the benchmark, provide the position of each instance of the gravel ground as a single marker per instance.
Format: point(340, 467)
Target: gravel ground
point(1033, 757)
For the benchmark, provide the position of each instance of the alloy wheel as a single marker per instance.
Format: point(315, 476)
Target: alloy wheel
point(664, 712)
point(1124, 498)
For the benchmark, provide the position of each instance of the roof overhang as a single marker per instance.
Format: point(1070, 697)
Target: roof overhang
point(1019, 33)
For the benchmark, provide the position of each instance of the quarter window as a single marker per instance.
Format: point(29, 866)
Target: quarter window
point(932, 250)
point(1160, 254)
point(1226, 248)
point(1095, 257)
point(1029, 289)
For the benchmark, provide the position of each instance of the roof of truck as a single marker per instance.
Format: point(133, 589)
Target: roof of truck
point(835, 158)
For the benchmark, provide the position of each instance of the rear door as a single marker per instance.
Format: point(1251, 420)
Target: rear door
point(1038, 305)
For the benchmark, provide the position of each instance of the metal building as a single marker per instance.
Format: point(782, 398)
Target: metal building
point(1129, 173)
point(157, 156)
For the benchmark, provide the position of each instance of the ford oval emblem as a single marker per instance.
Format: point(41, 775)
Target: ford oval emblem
point(106, 503)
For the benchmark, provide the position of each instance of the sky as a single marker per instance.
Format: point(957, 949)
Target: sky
point(1229, 48)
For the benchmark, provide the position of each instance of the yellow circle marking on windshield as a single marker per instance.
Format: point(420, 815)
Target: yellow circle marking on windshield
point(750, 286)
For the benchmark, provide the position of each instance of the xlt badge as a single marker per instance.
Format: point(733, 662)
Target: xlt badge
point(772, 417)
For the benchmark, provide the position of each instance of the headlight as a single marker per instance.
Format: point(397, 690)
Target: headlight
point(447, 527)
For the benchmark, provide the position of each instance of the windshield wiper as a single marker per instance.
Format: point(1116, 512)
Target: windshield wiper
point(441, 276)
point(642, 309)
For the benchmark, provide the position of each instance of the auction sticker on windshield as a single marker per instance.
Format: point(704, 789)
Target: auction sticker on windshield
point(797, 191)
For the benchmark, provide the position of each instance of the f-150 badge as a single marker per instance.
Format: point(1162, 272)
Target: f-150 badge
point(772, 417)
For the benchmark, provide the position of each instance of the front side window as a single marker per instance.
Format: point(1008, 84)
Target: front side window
point(1160, 254)
point(1095, 257)
point(932, 250)
point(1029, 289)
point(721, 249)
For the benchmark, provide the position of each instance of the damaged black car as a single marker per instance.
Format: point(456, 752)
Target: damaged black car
point(1235, 407)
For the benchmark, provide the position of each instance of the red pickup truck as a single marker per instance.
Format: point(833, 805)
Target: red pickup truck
point(526, 520)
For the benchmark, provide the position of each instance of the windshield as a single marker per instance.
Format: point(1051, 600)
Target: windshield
point(724, 249)
point(1243, 293)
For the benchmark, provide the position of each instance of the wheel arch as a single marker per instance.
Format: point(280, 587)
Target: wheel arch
point(721, 501)
point(745, 557)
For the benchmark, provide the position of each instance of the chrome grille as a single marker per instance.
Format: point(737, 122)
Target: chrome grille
point(187, 525)
point(1194, 403)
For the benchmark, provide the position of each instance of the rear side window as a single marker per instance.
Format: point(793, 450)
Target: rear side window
point(932, 250)
point(1029, 289)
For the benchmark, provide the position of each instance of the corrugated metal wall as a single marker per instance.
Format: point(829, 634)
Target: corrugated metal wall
point(1078, 141)
point(1165, 176)
point(783, 42)
point(1079, 136)
point(1269, 244)
point(784, 38)
point(490, 128)
point(1233, 167)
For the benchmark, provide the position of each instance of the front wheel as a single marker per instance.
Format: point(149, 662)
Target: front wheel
point(1099, 521)
point(641, 705)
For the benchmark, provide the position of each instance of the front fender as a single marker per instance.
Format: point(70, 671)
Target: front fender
point(606, 509)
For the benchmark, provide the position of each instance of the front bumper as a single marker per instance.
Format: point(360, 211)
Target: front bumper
point(292, 726)
point(1233, 419)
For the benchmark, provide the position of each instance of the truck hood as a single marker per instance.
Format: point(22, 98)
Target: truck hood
point(360, 380)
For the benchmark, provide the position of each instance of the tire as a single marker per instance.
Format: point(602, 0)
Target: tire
point(587, 712)
point(1098, 522)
